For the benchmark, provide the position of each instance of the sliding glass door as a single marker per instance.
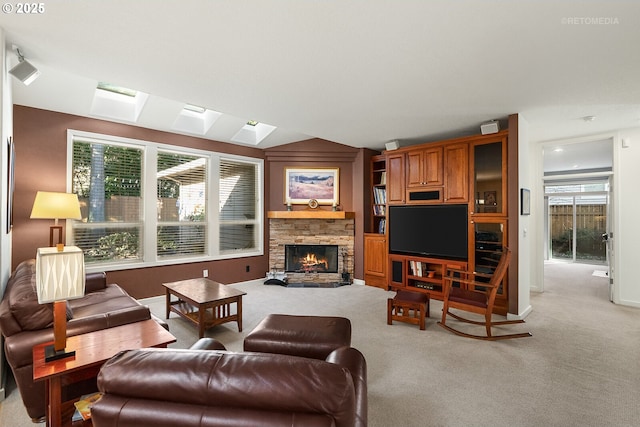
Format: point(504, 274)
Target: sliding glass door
point(577, 220)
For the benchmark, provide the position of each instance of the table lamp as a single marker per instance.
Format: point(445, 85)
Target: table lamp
point(49, 205)
point(60, 277)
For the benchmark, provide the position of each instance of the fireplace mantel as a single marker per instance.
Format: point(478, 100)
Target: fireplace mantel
point(311, 214)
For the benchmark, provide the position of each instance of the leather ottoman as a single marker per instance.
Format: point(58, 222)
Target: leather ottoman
point(306, 336)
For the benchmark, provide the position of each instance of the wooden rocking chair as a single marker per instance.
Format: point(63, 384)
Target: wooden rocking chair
point(476, 294)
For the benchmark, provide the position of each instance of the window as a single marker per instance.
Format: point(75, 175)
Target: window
point(238, 197)
point(148, 204)
point(107, 179)
point(182, 205)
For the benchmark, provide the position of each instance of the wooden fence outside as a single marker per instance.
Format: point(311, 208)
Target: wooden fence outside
point(590, 224)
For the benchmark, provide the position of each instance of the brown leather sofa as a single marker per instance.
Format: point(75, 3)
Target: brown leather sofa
point(25, 323)
point(170, 387)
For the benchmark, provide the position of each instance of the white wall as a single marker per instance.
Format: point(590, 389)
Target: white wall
point(525, 241)
point(626, 227)
point(6, 130)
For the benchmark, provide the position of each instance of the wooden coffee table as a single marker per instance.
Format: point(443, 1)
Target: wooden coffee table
point(92, 350)
point(204, 302)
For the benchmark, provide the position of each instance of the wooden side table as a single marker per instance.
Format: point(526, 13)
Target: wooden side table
point(204, 302)
point(92, 350)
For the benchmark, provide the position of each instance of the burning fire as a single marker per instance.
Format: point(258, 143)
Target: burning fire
point(310, 261)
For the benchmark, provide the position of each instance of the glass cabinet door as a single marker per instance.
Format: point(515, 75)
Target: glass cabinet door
point(489, 168)
point(489, 237)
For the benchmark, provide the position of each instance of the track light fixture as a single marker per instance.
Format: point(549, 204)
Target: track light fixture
point(24, 71)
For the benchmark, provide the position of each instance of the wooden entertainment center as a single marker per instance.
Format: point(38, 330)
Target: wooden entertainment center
point(469, 171)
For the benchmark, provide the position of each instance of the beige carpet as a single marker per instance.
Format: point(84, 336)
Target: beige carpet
point(580, 368)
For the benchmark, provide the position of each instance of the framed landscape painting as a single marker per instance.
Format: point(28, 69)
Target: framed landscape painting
point(304, 184)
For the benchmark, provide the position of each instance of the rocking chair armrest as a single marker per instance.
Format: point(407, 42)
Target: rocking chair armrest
point(467, 281)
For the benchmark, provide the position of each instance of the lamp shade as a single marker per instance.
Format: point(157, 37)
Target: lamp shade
point(60, 275)
point(49, 205)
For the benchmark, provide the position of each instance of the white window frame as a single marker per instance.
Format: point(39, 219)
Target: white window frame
point(149, 194)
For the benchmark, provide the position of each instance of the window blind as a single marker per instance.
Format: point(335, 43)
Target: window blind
point(238, 205)
point(181, 191)
point(107, 180)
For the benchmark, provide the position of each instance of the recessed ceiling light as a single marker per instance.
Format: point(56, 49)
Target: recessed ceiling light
point(589, 118)
point(252, 123)
point(559, 150)
point(575, 166)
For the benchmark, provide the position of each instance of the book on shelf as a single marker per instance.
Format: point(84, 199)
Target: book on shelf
point(380, 196)
point(383, 178)
point(83, 406)
point(378, 210)
point(382, 226)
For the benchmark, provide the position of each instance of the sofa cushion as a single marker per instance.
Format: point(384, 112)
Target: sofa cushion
point(23, 300)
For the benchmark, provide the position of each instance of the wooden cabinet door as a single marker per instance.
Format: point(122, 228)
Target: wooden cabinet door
point(375, 260)
point(415, 165)
point(395, 178)
point(424, 168)
point(433, 166)
point(456, 173)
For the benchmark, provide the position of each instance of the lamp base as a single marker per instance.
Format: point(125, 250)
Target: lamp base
point(50, 353)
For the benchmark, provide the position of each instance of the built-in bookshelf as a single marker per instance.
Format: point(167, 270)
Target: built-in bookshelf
point(379, 194)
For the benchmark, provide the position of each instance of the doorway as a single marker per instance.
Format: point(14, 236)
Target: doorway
point(577, 208)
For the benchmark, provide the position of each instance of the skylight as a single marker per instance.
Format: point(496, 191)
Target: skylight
point(253, 133)
point(117, 89)
point(119, 103)
point(195, 120)
point(195, 108)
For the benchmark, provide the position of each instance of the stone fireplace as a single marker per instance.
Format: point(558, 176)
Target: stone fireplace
point(330, 235)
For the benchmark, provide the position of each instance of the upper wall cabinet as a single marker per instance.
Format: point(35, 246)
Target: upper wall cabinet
point(456, 173)
point(424, 168)
point(424, 178)
point(489, 163)
point(395, 178)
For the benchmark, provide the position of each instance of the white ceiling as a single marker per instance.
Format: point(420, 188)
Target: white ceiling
point(360, 73)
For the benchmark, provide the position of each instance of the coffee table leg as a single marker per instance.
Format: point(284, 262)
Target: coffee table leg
point(168, 303)
point(239, 306)
point(201, 317)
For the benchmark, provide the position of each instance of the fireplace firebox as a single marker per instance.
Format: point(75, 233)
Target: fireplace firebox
point(311, 258)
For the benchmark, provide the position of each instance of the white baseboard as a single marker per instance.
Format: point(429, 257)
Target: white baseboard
point(358, 282)
point(520, 316)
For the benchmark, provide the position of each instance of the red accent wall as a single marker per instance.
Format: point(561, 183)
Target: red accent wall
point(41, 164)
point(41, 154)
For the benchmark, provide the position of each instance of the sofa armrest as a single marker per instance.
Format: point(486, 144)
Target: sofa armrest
point(353, 360)
point(207, 344)
point(95, 282)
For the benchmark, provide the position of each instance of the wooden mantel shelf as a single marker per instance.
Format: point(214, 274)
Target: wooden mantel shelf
point(310, 214)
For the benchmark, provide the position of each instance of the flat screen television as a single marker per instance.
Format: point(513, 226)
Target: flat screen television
point(438, 231)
